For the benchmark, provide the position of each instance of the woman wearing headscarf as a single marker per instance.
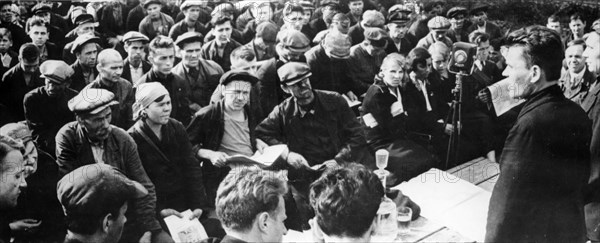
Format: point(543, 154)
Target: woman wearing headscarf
point(384, 112)
point(166, 154)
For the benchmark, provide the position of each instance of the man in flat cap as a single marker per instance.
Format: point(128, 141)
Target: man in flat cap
point(458, 31)
point(480, 23)
point(291, 48)
point(397, 27)
point(85, 24)
point(20, 79)
point(329, 65)
point(46, 108)
point(370, 19)
point(92, 140)
point(110, 67)
point(85, 48)
point(56, 25)
point(95, 201)
point(201, 75)
point(319, 128)
point(366, 58)
point(264, 41)
point(438, 27)
point(162, 56)
point(192, 10)
point(225, 128)
point(135, 65)
point(38, 31)
point(155, 23)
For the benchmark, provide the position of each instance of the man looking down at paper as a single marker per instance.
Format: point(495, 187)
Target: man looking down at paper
point(224, 129)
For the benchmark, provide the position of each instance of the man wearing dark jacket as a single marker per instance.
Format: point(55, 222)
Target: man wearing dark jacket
point(20, 79)
point(545, 164)
point(85, 48)
point(135, 66)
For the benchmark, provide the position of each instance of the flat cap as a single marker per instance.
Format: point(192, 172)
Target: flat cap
point(375, 34)
point(338, 44)
point(223, 8)
point(438, 23)
point(135, 36)
point(84, 19)
point(18, 131)
point(190, 3)
point(150, 2)
point(91, 101)
point(237, 75)
point(479, 8)
point(188, 37)
point(294, 40)
point(330, 3)
point(82, 40)
point(91, 189)
point(399, 17)
point(372, 18)
point(293, 72)
point(267, 31)
point(455, 11)
point(56, 71)
point(41, 8)
point(307, 5)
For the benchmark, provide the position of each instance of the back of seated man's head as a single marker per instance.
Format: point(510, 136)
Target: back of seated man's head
point(250, 205)
point(346, 201)
point(243, 58)
point(29, 58)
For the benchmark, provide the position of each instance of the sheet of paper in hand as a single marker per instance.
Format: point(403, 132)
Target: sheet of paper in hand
point(185, 230)
point(350, 102)
point(501, 96)
point(267, 158)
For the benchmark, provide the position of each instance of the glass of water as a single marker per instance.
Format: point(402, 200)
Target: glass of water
point(404, 215)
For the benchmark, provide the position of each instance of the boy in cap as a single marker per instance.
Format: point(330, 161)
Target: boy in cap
point(458, 24)
point(225, 128)
point(319, 128)
point(264, 42)
point(192, 10)
point(92, 140)
point(397, 27)
point(95, 201)
point(438, 27)
point(366, 58)
point(329, 65)
point(46, 108)
point(162, 56)
point(20, 79)
point(135, 65)
point(481, 23)
point(201, 75)
point(156, 23)
point(85, 48)
point(110, 67)
point(370, 19)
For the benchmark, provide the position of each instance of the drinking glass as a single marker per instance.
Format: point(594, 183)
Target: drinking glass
point(404, 216)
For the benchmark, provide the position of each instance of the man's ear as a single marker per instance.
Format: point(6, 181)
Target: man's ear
point(536, 74)
point(262, 221)
point(107, 222)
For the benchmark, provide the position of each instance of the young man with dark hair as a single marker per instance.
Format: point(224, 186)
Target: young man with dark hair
point(554, 24)
point(192, 10)
point(540, 189)
point(162, 56)
point(135, 65)
point(219, 49)
point(38, 32)
point(577, 27)
point(356, 11)
point(346, 202)
point(85, 48)
point(20, 79)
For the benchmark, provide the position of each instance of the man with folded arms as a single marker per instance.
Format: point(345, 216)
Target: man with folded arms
point(92, 140)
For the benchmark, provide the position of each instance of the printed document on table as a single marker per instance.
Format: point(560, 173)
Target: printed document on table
point(185, 230)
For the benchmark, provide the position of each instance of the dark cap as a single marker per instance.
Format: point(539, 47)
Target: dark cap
point(293, 72)
point(455, 11)
point(237, 75)
point(91, 101)
point(398, 17)
point(267, 31)
point(294, 40)
point(82, 40)
point(84, 19)
point(479, 8)
point(132, 36)
point(188, 37)
point(149, 2)
point(41, 8)
point(90, 189)
point(330, 3)
point(190, 3)
point(56, 71)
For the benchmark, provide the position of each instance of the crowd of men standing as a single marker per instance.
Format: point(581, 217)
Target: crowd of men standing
point(128, 111)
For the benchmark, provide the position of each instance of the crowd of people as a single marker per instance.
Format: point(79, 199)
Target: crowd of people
point(116, 114)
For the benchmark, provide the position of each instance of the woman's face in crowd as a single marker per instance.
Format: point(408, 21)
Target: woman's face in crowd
point(439, 62)
point(159, 111)
point(13, 179)
point(393, 73)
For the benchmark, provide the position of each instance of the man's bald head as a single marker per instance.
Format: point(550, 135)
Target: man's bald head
point(110, 65)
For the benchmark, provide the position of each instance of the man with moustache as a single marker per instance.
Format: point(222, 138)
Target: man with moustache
point(591, 105)
point(545, 164)
point(92, 140)
point(135, 65)
point(46, 108)
point(110, 67)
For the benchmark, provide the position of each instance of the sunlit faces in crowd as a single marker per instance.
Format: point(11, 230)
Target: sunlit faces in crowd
point(554, 23)
point(519, 71)
point(574, 58)
point(483, 50)
point(6, 13)
point(480, 17)
point(439, 35)
point(301, 90)
point(341, 22)
point(439, 56)
point(46, 16)
point(222, 30)
point(393, 70)
point(458, 21)
point(55, 89)
point(38, 32)
point(577, 25)
point(162, 59)
point(397, 30)
point(159, 111)
point(110, 65)
point(329, 11)
point(237, 95)
point(190, 54)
